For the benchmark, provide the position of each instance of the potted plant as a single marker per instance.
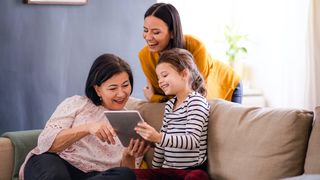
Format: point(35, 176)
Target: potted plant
point(234, 48)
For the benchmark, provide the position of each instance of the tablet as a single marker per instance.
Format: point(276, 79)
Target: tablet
point(124, 122)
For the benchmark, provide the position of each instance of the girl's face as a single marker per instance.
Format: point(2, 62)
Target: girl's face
point(156, 33)
point(115, 91)
point(170, 80)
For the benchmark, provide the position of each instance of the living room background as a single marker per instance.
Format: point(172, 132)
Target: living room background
point(46, 52)
point(277, 32)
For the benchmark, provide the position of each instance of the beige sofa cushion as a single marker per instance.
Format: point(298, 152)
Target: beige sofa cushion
point(256, 143)
point(312, 164)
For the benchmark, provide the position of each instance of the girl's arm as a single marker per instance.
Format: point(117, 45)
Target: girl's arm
point(197, 117)
point(158, 156)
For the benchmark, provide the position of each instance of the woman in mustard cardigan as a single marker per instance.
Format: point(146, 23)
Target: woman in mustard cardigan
point(163, 30)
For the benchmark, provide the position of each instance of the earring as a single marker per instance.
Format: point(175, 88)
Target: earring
point(100, 99)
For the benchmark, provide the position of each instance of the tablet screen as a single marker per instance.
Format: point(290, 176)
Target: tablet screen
point(124, 122)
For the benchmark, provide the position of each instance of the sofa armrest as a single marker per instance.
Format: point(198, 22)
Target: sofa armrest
point(312, 162)
point(6, 158)
point(22, 142)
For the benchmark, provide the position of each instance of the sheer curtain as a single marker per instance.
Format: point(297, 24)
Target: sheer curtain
point(313, 59)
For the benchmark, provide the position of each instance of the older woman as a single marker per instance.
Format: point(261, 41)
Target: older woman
point(77, 141)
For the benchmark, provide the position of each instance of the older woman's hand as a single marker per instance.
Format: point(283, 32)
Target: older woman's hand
point(136, 148)
point(103, 131)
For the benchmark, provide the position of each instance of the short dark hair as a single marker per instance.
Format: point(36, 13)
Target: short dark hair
point(182, 59)
point(170, 15)
point(102, 69)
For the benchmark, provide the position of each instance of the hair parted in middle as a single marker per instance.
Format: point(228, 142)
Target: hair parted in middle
point(170, 15)
point(102, 69)
point(182, 59)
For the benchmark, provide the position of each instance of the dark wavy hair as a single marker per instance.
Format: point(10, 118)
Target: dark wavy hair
point(170, 15)
point(102, 69)
point(182, 59)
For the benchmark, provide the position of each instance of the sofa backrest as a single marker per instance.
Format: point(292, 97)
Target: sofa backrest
point(247, 142)
point(255, 142)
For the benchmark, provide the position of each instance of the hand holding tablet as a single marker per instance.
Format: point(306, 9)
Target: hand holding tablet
point(124, 122)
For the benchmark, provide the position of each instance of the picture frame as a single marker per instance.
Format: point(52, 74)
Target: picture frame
point(57, 2)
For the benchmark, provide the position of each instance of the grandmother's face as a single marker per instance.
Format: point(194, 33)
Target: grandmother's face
point(115, 91)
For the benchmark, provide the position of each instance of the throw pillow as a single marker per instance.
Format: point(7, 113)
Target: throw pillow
point(256, 143)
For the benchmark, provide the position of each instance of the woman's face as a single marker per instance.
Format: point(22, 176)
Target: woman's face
point(156, 33)
point(115, 91)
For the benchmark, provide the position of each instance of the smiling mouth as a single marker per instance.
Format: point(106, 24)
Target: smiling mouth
point(163, 87)
point(119, 101)
point(152, 44)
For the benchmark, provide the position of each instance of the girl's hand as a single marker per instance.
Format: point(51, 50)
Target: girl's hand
point(148, 132)
point(148, 91)
point(136, 148)
point(103, 131)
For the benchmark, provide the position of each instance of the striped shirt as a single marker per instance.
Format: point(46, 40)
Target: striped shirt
point(184, 140)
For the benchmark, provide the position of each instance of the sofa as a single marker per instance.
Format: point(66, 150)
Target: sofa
point(243, 142)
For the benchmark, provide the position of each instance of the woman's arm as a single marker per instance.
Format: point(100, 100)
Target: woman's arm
point(59, 132)
point(197, 118)
point(196, 122)
point(67, 137)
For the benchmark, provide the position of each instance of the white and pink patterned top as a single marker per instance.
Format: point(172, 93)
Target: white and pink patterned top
point(87, 154)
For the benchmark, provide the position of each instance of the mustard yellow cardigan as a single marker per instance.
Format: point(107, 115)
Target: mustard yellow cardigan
point(220, 79)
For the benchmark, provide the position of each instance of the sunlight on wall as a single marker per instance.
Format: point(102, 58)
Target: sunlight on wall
point(277, 37)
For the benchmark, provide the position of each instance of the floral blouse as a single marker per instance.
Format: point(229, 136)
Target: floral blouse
point(87, 154)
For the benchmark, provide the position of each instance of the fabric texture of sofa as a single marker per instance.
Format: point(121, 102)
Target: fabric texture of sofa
point(243, 142)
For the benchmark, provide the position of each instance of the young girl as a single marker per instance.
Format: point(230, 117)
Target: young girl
point(182, 140)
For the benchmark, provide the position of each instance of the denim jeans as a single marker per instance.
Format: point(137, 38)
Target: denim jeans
point(237, 94)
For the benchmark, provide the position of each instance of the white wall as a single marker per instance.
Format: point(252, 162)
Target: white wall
point(276, 47)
